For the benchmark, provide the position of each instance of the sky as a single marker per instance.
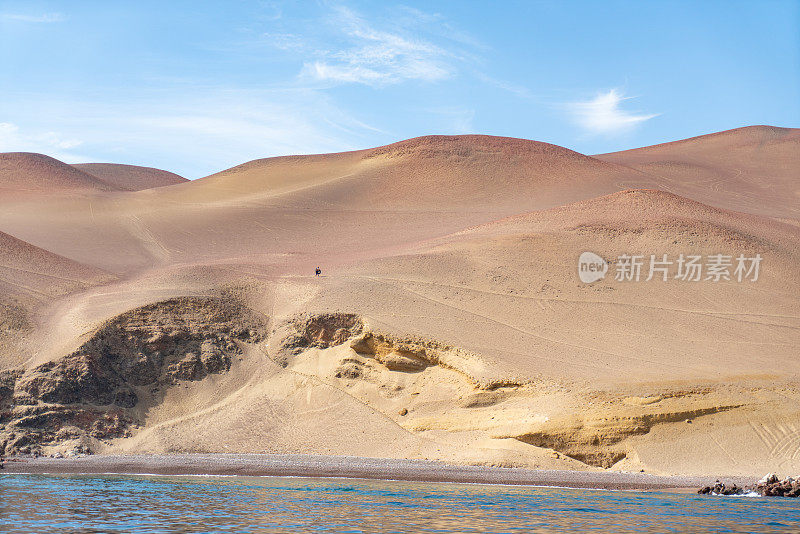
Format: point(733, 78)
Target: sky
point(197, 87)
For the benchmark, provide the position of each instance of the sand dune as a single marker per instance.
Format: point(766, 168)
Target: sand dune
point(329, 206)
point(28, 269)
point(595, 372)
point(26, 174)
point(521, 271)
point(449, 322)
point(441, 173)
point(30, 279)
point(752, 169)
point(130, 177)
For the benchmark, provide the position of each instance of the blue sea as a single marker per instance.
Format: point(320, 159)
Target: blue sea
point(140, 504)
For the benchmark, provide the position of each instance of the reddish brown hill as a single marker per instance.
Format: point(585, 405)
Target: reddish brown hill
point(25, 173)
point(130, 177)
point(751, 169)
point(441, 173)
point(27, 270)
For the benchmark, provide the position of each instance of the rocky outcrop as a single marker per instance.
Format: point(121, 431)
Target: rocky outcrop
point(26, 429)
point(8, 380)
point(407, 355)
point(719, 488)
point(772, 486)
point(595, 441)
point(136, 355)
point(783, 488)
point(315, 331)
point(769, 486)
point(404, 357)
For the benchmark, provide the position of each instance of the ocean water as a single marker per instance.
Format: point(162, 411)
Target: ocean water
point(139, 504)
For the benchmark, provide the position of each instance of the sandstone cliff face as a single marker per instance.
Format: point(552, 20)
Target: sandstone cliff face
point(105, 388)
point(91, 392)
point(316, 331)
point(433, 389)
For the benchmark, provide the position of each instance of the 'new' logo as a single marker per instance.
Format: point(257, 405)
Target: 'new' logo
point(591, 267)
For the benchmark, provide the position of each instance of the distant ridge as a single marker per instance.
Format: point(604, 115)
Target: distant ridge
point(26, 269)
point(130, 177)
point(26, 172)
point(429, 172)
point(751, 169)
point(744, 135)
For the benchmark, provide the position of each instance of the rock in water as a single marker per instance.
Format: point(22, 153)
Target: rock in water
point(769, 486)
point(769, 478)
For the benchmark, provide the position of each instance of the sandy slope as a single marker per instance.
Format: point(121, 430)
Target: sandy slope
point(460, 254)
point(130, 177)
point(32, 278)
point(24, 174)
point(516, 278)
point(751, 169)
point(601, 362)
point(29, 270)
point(290, 213)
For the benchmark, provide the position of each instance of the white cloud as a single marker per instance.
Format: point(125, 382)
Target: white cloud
point(344, 73)
point(603, 115)
point(376, 57)
point(407, 44)
point(47, 142)
point(193, 136)
point(44, 18)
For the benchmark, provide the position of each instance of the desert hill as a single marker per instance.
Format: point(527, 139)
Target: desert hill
point(425, 173)
point(27, 269)
point(32, 278)
point(751, 169)
point(24, 174)
point(521, 271)
point(585, 369)
point(130, 177)
point(338, 205)
point(449, 321)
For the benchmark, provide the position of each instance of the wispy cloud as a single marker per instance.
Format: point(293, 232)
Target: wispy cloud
point(214, 129)
point(194, 126)
point(40, 19)
point(603, 114)
point(12, 139)
point(406, 44)
point(284, 41)
point(378, 57)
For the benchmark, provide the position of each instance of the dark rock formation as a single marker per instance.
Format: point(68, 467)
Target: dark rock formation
point(8, 379)
point(720, 488)
point(769, 486)
point(317, 331)
point(138, 354)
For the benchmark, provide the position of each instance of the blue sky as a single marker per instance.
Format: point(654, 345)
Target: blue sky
point(196, 87)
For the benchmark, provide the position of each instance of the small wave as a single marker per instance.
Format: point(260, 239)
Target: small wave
point(748, 494)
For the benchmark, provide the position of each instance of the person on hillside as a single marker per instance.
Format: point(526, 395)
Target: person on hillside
point(317, 271)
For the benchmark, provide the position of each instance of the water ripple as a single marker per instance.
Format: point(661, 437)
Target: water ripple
point(150, 504)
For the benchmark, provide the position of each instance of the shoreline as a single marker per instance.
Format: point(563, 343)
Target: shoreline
point(351, 467)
